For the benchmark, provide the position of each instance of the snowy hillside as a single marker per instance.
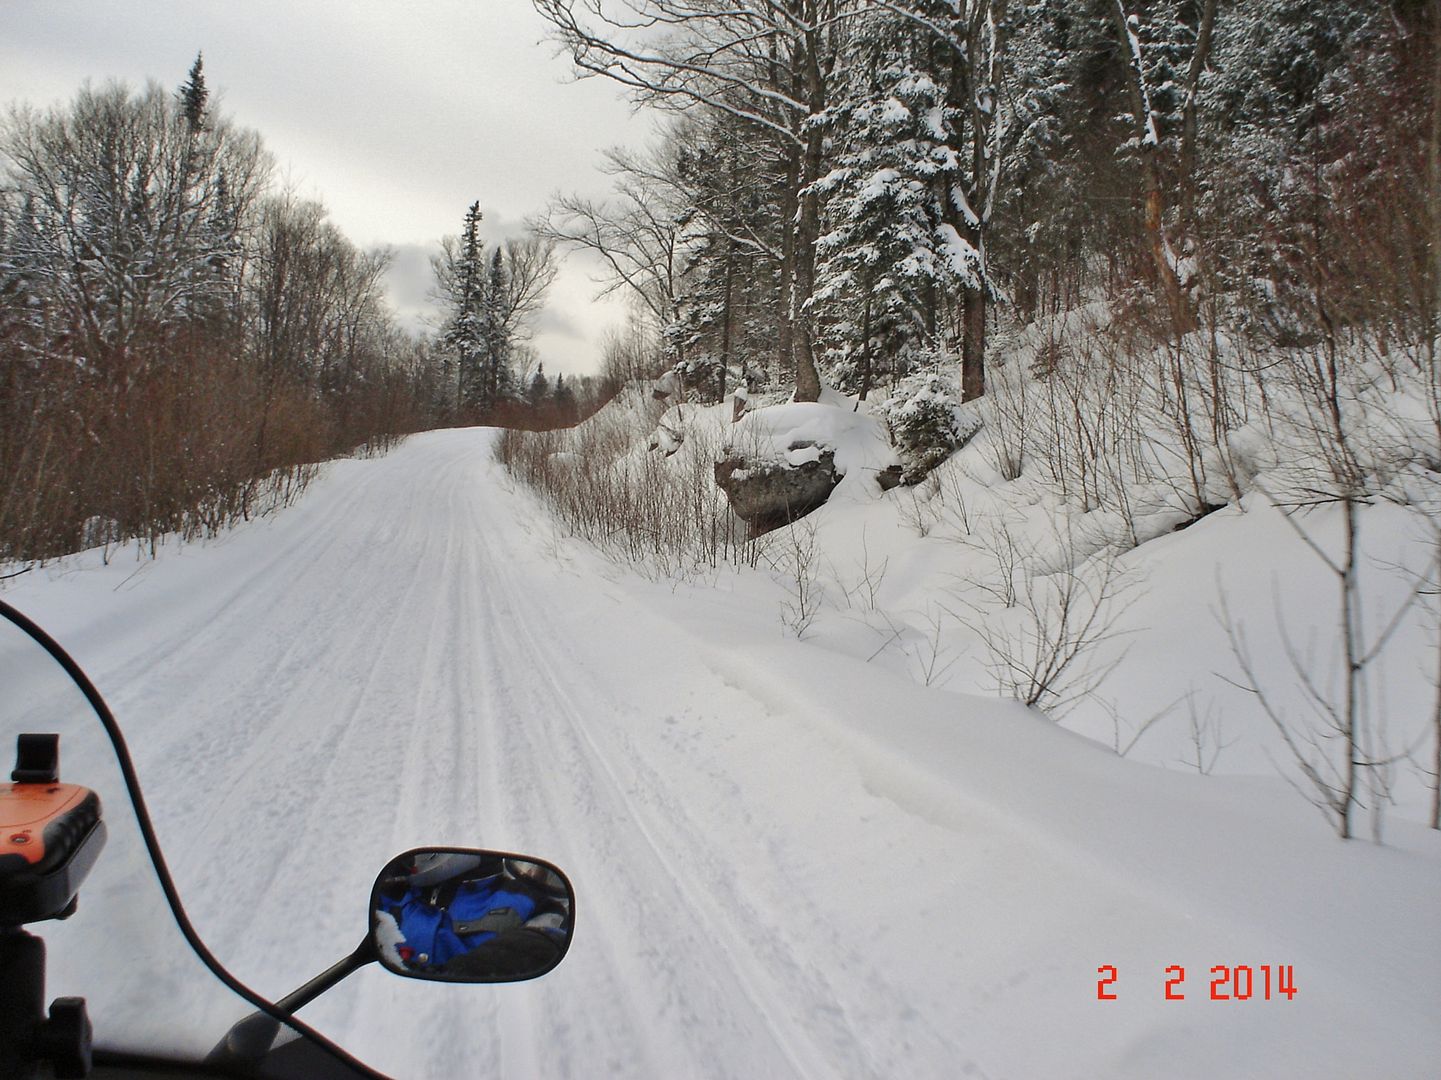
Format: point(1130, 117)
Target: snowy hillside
point(793, 856)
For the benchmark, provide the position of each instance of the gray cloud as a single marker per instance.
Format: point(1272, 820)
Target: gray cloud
point(559, 326)
point(396, 114)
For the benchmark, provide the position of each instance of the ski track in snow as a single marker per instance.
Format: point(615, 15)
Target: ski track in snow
point(392, 663)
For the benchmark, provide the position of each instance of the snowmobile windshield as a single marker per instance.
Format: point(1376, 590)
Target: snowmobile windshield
point(147, 991)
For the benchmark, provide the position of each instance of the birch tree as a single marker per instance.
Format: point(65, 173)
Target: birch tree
point(769, 64)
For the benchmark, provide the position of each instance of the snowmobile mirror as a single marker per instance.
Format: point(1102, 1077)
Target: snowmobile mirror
point(467, 915)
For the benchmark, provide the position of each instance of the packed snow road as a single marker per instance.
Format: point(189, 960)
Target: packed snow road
point(787, 863)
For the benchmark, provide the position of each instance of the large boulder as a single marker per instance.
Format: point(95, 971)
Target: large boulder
point(780, 462)
point(766, 493)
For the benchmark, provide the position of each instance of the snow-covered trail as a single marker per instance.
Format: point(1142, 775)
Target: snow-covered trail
point(787, 864)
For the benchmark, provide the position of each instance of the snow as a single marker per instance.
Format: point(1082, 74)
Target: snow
point(879, 185)
point(1133, 23)
point(964, 261)
point(799, 431)
point(789, 861)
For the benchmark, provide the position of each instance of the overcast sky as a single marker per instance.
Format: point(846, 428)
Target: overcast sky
point(396, 113)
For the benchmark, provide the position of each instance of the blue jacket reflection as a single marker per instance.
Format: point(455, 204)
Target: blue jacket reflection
point(437, 929)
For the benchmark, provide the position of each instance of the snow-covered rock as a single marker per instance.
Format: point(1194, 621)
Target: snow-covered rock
point(767, 494)
point(781, 462)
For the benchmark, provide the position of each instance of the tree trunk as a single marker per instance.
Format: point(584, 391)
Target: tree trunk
point(726, 318)
point(973, 344)
point(1351, 634)
point(1147, 136)
point(867, 365)
point(1199, 55)
point(808, 380)
point(1433, 188)
point(785, 332)
point(1182, 319)
point(1436, 720)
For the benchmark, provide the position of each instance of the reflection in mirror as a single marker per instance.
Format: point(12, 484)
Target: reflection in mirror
point(464, 915)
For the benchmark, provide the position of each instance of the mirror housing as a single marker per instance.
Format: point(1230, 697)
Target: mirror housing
point(470, 915)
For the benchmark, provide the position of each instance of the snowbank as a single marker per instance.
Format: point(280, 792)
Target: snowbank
point(797, 432)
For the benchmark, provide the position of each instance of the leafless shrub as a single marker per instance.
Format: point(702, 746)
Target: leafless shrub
point(1043, 651)
point(175, 452)
point(889, 636)
point(1207, 735)
point(917, 506)
point(1425, 586)
point(1344, 445)
point(868, 582)
point(792, 553)
point(1338, 743)
point(872, 577)
point(660, 513)
point(1136, 732)
point(1009, 421)
point(1010, 557)
point(933, 657)
point(1432, 591)
point(1428, 589)
point(950, 499)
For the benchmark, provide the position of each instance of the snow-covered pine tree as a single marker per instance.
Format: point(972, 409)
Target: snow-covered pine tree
point(732, 246)
point(1043, 215)
point(461, 271)
point(890, 251)
point(1279, 76)
point(497, 381)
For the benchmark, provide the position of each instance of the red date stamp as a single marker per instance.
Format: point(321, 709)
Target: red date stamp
point(1243, 982)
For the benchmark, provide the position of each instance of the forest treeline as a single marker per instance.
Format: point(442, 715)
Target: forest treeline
point(851, 190)
point(182, 339)
point(1144, 258)
point(846, 190)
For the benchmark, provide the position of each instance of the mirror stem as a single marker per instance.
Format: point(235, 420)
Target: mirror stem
point(297, 999)
point(251, 1038)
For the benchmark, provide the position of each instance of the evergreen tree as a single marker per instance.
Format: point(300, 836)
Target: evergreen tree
point(539, 386)
point(565, 402)
point(491, 294)
point(497, 378)
point(1285, 75)
point(1044, 215)
point(921, 132)
point(462, 273)
point(193, 97)
point(883, 260)
point(733, 249)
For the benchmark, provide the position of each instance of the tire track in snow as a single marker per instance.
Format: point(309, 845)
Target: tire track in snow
point(676, 949)
point(452, 705)
point(299, 727)
point(742, 943)
point(304, 736)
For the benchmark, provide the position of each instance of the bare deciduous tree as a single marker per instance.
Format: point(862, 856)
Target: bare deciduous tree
point(768, 64)
point(638, 235)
